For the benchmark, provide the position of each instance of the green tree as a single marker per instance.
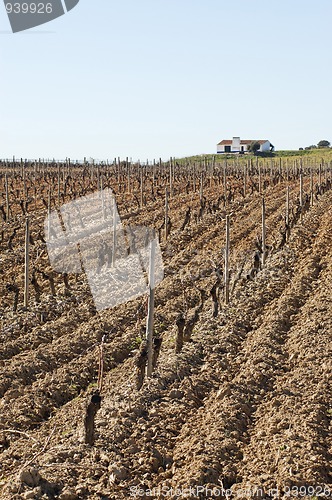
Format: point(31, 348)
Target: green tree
point(324, 144)
point(254, 147)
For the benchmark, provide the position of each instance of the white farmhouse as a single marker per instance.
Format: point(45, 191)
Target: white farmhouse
point(237, 145)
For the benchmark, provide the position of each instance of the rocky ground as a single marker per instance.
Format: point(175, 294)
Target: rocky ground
point(244, 410)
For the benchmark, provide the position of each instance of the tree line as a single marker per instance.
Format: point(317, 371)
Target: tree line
point(321, 144)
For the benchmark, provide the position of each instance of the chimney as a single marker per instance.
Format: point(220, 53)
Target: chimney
point(236, 144)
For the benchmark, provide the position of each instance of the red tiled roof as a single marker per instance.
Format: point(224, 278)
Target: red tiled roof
point(227, 142)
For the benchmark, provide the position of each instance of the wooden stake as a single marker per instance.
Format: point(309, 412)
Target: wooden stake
point(301, 190)
point(287, 206)
point(128, 174)
point(194, 177)
point(301, 196)
point(7, 198)
point(102, 198)
point(149, 322)
point(49, 215)
point(117, 169)
point(141, 187)
point(154, 172)
point(25, 189)
point(170, 178)
point(201, 188)
point(59, 191)
point(166, 213)
point(114, 232)
point(280, 169)
point(311, 188)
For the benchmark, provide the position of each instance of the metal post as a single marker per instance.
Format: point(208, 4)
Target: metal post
point(227, 248)
point(26, 264)
point(149, 322)
point(263, 233)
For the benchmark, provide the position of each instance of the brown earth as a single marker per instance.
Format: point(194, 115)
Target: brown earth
point(243, 411)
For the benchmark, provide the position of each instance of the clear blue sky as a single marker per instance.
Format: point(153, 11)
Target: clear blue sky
point(160, 78)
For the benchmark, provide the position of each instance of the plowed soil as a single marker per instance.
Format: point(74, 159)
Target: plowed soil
point(243, 411)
